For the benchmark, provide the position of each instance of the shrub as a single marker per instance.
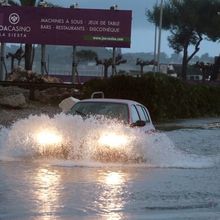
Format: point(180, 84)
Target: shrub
point(166, 97)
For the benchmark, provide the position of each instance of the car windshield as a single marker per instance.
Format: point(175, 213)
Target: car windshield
point(111, 110)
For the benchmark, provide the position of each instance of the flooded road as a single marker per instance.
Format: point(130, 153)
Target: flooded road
point(179, 179)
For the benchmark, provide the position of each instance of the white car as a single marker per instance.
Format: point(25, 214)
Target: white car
point(113, 146)
point(106, 144)
point(125, 111)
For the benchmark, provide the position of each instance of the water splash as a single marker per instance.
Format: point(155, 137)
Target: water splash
point(80, 143)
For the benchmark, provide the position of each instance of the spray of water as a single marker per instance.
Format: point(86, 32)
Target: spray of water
point(70, 138)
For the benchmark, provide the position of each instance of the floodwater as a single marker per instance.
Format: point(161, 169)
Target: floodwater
point(178, 177)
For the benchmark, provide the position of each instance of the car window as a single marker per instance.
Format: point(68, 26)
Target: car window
point(134, 114)
point(146, 114)
point(141, 113)
point(111, 110)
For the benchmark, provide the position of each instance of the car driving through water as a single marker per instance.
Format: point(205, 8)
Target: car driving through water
point(112, 144)
point(126, 111)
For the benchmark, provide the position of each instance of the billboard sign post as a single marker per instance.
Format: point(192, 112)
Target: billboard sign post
point(64, 26)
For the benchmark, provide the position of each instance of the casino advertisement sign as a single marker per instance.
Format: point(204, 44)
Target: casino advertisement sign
point(64, 26)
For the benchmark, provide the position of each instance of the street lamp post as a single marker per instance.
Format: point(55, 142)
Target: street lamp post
point(155, 44)
point(114, 7)
point(159, 37)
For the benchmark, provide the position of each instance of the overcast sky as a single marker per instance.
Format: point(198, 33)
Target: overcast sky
point(142, 31)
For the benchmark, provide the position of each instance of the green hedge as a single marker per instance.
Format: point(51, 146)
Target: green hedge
point(166, 97)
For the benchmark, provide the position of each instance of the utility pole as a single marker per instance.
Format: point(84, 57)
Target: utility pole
point(159, 37)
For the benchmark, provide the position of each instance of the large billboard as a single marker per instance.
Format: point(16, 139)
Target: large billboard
point(65, 26)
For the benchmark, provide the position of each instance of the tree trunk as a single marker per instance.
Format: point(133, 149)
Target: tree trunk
point(106, 71)
point(187, 58)
point(204, 70)
point(12, 64)
point(28, 56)
point(184, 63)
point(142, 69)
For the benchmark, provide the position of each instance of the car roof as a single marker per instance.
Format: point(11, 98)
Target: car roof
point(123, 101)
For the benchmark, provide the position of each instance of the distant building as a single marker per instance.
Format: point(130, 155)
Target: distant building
point(168, 69)
point(193, 73)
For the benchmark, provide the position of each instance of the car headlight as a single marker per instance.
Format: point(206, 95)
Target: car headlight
point(113, 140)
point(48, 137)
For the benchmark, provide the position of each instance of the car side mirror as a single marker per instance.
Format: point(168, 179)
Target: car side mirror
point(138, 123)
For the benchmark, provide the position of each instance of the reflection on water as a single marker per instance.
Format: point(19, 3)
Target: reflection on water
point(47, 194)
point(114, 178)
point(110, 199)
point(64, 190)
